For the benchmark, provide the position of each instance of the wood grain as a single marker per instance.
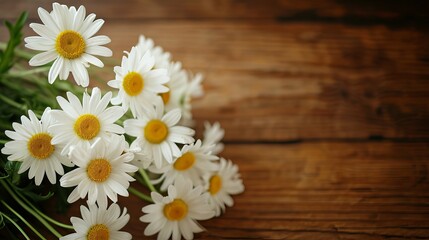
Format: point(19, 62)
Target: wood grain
point(267, 81)
point(277, 82)
point(375, 190)
point(324, 105)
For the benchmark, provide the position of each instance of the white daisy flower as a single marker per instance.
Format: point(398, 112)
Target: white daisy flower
point(99, 223)
point(193, 164)
point(176, 214)
point(102, 171)
point(80, 123)
point(222, 185)
point(32, 146)
point(162, 59)
point(138, 82)
point(67, 37)
point(193, 90)
point(157, 133)
point(213, 134)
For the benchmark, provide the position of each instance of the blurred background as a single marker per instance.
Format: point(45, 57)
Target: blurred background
point(325, 106)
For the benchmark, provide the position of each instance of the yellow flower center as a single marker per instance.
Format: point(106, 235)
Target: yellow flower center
point(70, 44)
point(133, 83)
point(176, 210)
point(155, 131)
point(40, 146)
point(165, 97)
point(184, 162)
point(98, 232)
point(87, 126)
point(98, 170)
point(215, 184)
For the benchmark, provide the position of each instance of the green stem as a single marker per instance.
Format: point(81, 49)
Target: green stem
point(147, 180)
point(16, 225)
point(53, 221)
point(140, 179)
point(3, 141)
point(23, 220)
point(140, 195)
point(28, 72)
point(28, 209)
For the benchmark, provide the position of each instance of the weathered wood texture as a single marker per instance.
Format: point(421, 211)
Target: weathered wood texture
point(348, 82)
point(321, 191)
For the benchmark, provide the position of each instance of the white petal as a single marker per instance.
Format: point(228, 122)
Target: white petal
point(93, 28)
point(80, 74)
point(55, 70)
point(93, 60)
point(172, 117)
point(47, 19)
point(98, 40)
point(39, 44)
point(99, 51)
point(43, 58)
point(43, 31)
point(79, 17)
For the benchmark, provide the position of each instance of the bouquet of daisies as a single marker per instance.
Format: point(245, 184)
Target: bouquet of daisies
point(72, 142)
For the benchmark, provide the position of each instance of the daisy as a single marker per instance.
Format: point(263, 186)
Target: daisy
point(162, 59)
point(32, 146)
point(100, 223)
point(193, 89)
point(213, 134)
point(157, 133)
point(67, 38)
point(80, 123)
point(138, 82)
point(176, 214)
point(222, 185)
point(194, 162)
point(102, 171)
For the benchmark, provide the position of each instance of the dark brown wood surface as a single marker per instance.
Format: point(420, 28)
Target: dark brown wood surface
point(325, 105)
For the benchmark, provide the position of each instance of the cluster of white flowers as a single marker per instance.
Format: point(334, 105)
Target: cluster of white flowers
point(86, 134)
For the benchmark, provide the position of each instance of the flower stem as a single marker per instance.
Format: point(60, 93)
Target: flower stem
point(28, 209)
point(147, 180)
point(23, 220)
point(16, 225)
point(28, 72)
point(53, 221)
point(140, 195)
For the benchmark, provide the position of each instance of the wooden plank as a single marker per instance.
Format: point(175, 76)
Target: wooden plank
point(267, 81)
point(321, 191)
point(354, 12)
point(275, 82)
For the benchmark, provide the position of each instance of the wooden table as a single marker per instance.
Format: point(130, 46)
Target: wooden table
point(325, 105)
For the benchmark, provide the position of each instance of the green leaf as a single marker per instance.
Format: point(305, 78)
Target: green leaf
point(30, 192)
point(9, 26)
point(7, 58)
